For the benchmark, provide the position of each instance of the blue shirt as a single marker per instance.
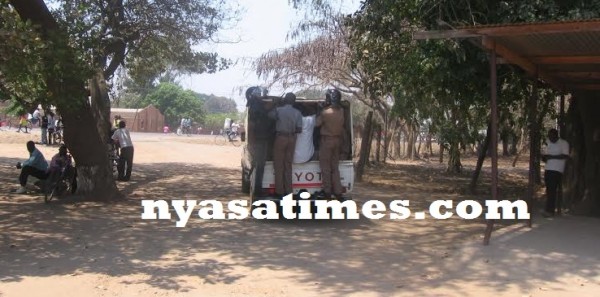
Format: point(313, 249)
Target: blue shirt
point(36, 160)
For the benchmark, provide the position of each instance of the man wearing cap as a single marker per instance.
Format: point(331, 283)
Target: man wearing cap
point(288, 122)
point(331, 121)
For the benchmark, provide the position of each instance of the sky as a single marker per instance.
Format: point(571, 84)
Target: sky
point(263, 26)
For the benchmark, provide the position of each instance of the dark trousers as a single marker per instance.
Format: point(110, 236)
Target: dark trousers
point(259, 157)
point(329, 160)
point(50, 136)
point(125, 163)
point(553, 180)
point(26, 171)
point(283, 156)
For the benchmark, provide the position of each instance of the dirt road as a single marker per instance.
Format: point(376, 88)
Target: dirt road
point(95, 249)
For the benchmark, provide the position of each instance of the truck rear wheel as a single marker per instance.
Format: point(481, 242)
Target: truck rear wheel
point(245, 181)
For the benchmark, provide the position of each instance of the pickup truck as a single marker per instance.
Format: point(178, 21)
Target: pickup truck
point(306, 177)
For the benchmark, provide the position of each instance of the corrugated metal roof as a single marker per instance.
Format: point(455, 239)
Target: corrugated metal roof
point(479, 26)
point(565, 53)
point(125, 110)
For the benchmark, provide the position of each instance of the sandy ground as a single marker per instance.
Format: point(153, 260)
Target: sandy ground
point(95, 249)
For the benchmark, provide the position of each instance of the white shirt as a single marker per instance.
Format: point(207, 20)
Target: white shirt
point(560, 147)
point(51, 122)
point(122, 136)
point(304, 141)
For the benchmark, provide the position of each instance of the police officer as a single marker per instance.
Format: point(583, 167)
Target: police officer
point(288, 122)
point(331, 121)
point(262, 131)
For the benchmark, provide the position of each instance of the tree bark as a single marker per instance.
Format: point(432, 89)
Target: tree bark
point(364, 147)
point(378, 151)
point(480, 158)
point(582, 189)
point(454, 164)
point(67, 90)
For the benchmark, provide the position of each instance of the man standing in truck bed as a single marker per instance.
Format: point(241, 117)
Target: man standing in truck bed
point(288, 122)
point(331, 121)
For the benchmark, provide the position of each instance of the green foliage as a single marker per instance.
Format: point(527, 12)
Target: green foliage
point(148, 37)
point(445, 81)
point(218, 104)
point(21, 65)
point(30, 63)
point(174, 102)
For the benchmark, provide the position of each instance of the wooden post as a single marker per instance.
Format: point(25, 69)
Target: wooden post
point(494, 139)
point(563, 134)
point(533, 101)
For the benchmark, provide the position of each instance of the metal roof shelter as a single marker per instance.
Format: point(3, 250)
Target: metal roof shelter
point(564, 55)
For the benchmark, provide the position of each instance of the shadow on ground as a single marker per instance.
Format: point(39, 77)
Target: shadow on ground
point(332, 257)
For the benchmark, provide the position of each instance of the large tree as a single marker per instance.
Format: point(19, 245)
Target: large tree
point(82, 45)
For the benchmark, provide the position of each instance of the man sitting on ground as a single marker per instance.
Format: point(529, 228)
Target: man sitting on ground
point(59, 162)
point(36, 165)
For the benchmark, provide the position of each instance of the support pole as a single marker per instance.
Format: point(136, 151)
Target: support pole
point(494, 139)
point(533, 140)
point(563, 134)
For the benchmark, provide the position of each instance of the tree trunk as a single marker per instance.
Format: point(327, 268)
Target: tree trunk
point(441, 153)
point(480, 158)
point(364, 147)
point(420, 143)
point(582, 189)
point(378, 151)
point(454, 164)
point(66, 87)
point(410, 143)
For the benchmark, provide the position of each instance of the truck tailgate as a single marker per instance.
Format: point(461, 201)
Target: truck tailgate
point(307, 176)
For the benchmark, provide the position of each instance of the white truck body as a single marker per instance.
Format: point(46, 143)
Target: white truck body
point(307, 176)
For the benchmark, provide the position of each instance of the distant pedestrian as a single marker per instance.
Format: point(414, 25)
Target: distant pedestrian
point(23, 123)
point(51, 128)
point(44, 128)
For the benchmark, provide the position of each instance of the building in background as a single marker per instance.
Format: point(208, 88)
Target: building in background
point(148, 119)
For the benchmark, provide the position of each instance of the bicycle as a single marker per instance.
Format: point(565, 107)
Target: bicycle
point(113, 157)
point(57, 136)
point(184, 130)
point(228, 136)
point(60, 182)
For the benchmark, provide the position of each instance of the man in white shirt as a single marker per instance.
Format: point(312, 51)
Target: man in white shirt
point(121, 136)
point(555, 156)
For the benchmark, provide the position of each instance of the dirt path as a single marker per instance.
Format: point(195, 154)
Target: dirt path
point(93, 249)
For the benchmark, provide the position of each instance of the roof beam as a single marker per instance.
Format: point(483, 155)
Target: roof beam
point(511, 29)
point(521, 61)
point(444, 34)
point(566, 60)
point(586, 86)
point(524, 29)
point(579, 75)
